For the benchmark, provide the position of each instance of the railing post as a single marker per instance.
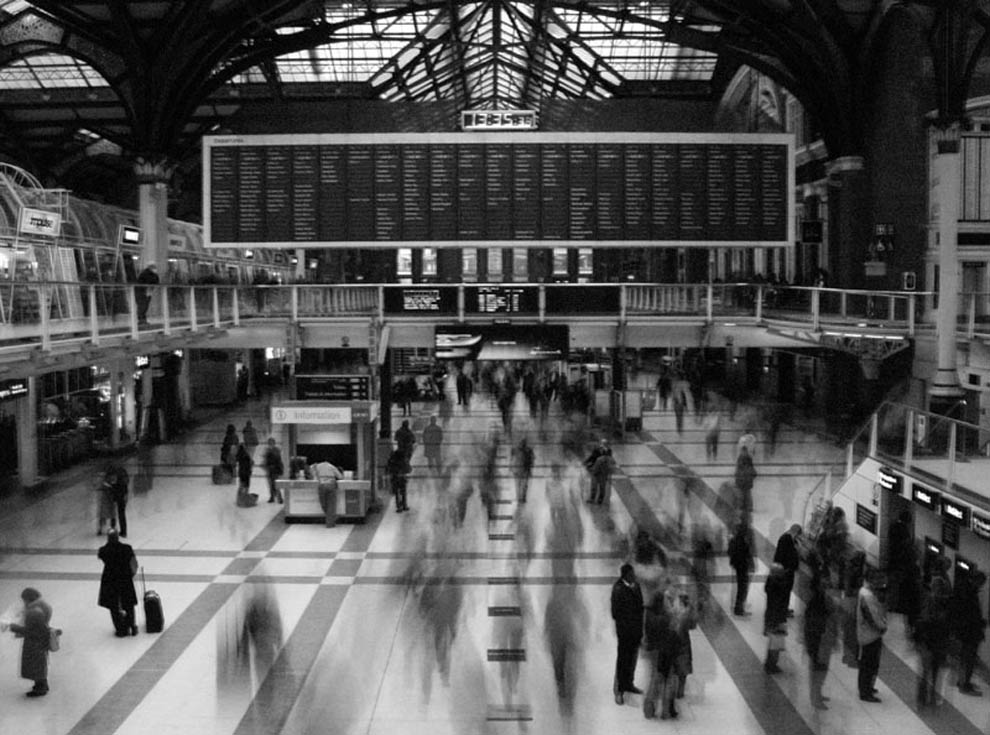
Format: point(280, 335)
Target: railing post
point(45, 316)
point(842, 303)
point(132, 311)
point(909, 439)
point(951, 473)
point(216, 307)
point(295, 302)
point(912, 303)
point(708, 303)
point(94, 318)
point(891, 307)
point(759, 302)
point(623, 295)
point(460, 303)
point(541, 303)
point(166, 311)
point(971, 317)
point(193, 317)
point(381, 304)
point(235, 304)
point(874, 428)
point(816, 309)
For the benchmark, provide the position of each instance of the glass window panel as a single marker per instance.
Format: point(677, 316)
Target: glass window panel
point(520, 264)
point(469, 262)
point(585, 262)
point(403, 261)
point(429, 261)
point(560, 261)
point(494, 264)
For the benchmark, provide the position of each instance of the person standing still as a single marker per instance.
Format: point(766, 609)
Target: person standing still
point(274, 469)
point(627, 612)
point(117, 476)
point(328, 475)
point(871, 624)
point(397, 469)
point(787, 555)
point(405, 439)
point(117, 584)
point(36, 633)
point(741, 561)
point(522, 468)
point(147, 277)
point(245, 498)
point(228, 448)
point(432, 442)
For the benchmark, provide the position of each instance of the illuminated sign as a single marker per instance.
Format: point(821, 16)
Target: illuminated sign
point(141, 361)
point(421, 299)
point(499, 119)
point(926, 498)
point(39, 222)
point(13, 389)
point(889, 480)
point(357, 412)
point(955, 511)
point(127, 235)
point(981, 525)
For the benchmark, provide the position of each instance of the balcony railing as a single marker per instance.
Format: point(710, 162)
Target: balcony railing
point(48, 312)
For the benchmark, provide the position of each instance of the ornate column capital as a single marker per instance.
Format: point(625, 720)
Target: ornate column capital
point(152, 172)
point(947, 137)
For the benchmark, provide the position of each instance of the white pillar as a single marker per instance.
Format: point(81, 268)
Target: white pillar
point(130, 405)
point(945, 386)
point(27, 435)
point(152, 181)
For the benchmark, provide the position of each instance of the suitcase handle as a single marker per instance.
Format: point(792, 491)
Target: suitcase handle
point(144, 587)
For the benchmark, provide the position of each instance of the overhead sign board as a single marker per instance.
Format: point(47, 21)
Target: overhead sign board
point(890, 480)
point(981, 525)
point(499, 120)
point(926, 498)
point(956, 512)
point(13, 388)
point(326, 413)
point(39, 222)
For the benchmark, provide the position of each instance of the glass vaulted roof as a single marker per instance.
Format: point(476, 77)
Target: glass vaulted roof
point(488, 53)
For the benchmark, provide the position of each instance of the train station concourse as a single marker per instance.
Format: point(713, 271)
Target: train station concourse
point(505, 366)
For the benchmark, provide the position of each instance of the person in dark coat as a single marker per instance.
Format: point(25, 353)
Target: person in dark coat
point(627, 612)
point(741, 561)
point(147, 277)
point(932, 632)
point(778, 590)
point(661, 648)
point(117, 584)
point(820, 630)
point(36, 633)
point(405, 439)
point(117, 480)
point(245, 498)
point(787, 555)
point(744, 476)
point(465, 386)
point(397, 468)
point(968, 626)
point(274, 469)
point(250, 435)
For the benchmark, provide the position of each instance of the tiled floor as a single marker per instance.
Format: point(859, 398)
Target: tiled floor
point(409, 624)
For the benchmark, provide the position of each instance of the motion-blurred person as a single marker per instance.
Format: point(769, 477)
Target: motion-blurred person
point(36, 634)
point(968, 627)
point(932, 633)
point(871, 624)
point(522, 468)
point(565, 626)
point(712, 425)
point(852, 579)
point(627, 612)
point(741, 560)
point(228, 447)
point(686, 618)
point(250, 437)
point(274, 469)
point(117, 584)
point(106, 506)
point(148, 278)
point(745, 475)
point(432, 443)
point(465, 386)
point(680, 403)
point(119, 492)
point(405, 440)
point(820, 631)
point(778, 591)
point(661, 647)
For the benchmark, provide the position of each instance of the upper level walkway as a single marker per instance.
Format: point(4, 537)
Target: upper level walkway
point(49, 318)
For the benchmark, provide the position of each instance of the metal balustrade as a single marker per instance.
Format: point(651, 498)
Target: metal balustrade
point(45, 313)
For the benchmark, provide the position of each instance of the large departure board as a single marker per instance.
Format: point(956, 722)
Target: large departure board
point(498, 190)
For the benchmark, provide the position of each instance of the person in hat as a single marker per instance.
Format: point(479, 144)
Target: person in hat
point(148, 277)
point(36, 633)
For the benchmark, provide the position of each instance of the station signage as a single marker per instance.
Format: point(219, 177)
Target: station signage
point(956, 512)
point(890, 480)
point(333, 387)
point(326, 413)
point(981, 525)
point(950, 534)
point(473, 120)
point(39, 222)
point(866, 518)
point(927, 498)
point(10, 389)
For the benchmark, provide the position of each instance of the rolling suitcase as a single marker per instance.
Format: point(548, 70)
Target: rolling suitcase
point(154, 617)
point(222, 475)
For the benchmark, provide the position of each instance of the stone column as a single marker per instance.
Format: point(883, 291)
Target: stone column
point(152, 180)
point(27, 434)
point(945, 389)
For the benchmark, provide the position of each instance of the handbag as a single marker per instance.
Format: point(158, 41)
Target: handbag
point(54, 639)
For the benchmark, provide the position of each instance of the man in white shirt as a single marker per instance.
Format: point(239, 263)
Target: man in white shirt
point(327, 475)
point(871, 624)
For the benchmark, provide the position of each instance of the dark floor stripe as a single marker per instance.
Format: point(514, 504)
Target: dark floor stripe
point(114, 707)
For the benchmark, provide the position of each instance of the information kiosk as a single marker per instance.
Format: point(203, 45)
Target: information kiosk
point(340, 432)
